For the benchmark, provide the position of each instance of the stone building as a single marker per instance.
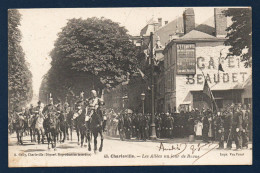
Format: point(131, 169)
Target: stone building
point(193, 57)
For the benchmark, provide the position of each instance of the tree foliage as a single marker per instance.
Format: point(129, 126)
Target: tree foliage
point(19, 76)
point(240, 34)
point(91, 53)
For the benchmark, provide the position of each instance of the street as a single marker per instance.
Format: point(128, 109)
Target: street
point(129, 152)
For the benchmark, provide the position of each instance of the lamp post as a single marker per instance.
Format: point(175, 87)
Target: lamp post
point(143, 98)
point(153, 135)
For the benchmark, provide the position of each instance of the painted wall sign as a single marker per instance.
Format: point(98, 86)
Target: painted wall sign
point(186, 59)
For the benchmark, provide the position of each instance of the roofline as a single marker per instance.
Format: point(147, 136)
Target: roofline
point(179, 40)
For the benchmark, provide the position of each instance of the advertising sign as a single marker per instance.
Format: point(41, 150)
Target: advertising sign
point(186, 59)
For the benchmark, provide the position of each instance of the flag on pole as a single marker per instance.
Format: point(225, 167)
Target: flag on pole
point(206, 89)
point(208, 92)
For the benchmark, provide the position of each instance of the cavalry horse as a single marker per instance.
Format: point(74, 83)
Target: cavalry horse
point(50, 125)
point(39, 129)
point(82, 127)
point(31, 126)
point(70, 124)
point(95, 127)
point(86, 127)
point(18, 125)
point(62, 124)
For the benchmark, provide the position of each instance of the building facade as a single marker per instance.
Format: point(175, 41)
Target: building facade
point(191, 59)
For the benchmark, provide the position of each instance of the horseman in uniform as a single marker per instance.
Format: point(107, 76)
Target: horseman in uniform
point(95, 105)
point(50, 111)
point(39, 122)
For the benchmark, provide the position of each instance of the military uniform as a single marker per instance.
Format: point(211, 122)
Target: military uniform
point(169, 126)
point(245, 136)
point(144, 127)
point(228, 128)
point(235, 130)
point(93, 105)
point(121, 127)
point(238, 128)
point(205, 130)
point(158, 124)
point(220, 131)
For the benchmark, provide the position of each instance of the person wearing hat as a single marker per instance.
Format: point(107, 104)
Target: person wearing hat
point(220, 130)
point(205, 129)
point(39, 123)
point(169, 125)
point(18, 113)
point(238, 121)
point(158, 124)
point(245, 123)
point(51, 108)
point(93, 104)
point(229, 134)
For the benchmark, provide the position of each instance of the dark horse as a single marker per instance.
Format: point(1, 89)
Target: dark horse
point(62, 124)
point(19, 125)
point(95, 126)
point(82, 126)
point(70, 125)
point(51, 125)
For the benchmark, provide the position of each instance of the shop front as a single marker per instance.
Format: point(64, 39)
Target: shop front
point(222, 98)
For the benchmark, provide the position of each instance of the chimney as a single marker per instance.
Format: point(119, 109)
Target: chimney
point(220, 22)
point(188, 20)
point(160, 22)
point(166, 22)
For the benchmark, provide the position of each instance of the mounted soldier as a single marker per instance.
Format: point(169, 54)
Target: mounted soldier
point(19, 124)
point(50, 123)
point(39, 123)
point(68, 117)
point(94, 119)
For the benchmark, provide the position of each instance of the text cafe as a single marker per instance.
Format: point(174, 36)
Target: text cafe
point(197, 62)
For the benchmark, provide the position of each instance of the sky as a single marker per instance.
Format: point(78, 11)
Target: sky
point(40, 27)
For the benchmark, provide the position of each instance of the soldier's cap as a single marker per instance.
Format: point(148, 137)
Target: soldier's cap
point(39, 102)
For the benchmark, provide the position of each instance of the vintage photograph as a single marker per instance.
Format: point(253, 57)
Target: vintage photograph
point(130, 86)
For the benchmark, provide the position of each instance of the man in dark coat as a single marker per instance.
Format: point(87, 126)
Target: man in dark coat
point(158, 124)
point(168, 125)
point(229, 131)
point(205, 130)
point(190, 124)
point(238, 127)
point(245, 136)
point(220, 130)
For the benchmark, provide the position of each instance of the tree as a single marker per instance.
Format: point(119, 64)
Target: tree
point(19, 76)
point(92, 53)
point(240, 34)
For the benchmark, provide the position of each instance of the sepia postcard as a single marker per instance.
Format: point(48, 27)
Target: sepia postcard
point(135, 86)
